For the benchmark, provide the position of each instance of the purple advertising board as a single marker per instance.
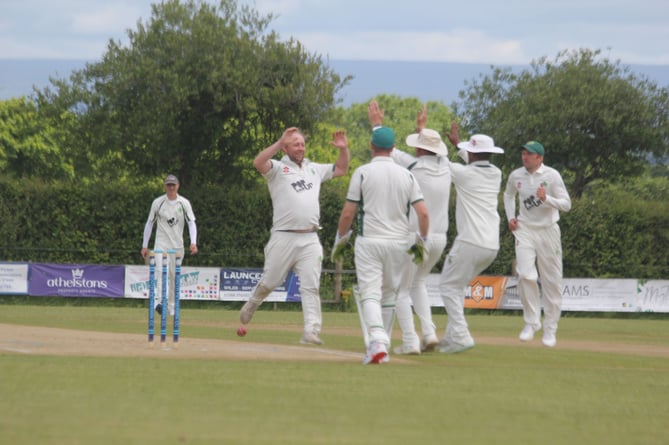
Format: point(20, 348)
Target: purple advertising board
point(75, 280)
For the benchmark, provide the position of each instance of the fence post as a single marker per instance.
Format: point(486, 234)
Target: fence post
point(337, 280)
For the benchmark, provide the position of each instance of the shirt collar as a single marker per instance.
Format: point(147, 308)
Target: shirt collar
point(382, 159)
point(541, 169)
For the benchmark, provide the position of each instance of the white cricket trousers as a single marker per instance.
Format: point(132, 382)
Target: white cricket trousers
point(413, 291)
point(463, 263)
point(539, 248)
point(171, 276)
point(303, 254)
point(378, 264)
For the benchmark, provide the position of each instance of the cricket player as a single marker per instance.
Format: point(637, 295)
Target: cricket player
point(431, 168)
point(170, 212)
point(541, 196)
point(381, 193)
point(477, 186)
point(294, 185)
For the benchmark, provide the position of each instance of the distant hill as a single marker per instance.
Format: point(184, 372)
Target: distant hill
point(17, 77)
point(439, 81)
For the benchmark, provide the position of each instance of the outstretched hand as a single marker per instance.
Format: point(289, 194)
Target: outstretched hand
point(421, 119)
point(339, 140)
point(375, 114)
point(287, 134)
point(454, 135)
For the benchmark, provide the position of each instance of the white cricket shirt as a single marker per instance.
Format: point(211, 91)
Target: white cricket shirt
point(532, 211)
point(477, 187)
point(384, 192)
point(170, 217)
point(433, 174)
point(295, 192)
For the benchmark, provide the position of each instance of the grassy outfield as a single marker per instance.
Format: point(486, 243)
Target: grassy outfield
point(500, 392)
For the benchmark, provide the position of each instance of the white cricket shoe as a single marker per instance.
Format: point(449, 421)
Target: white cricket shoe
point(428, 343)
point(407, 349)
point(453, 347)
point(376, 354)
point(527, 334)
point(549, 339)
point(246, 314)
point(311, 338)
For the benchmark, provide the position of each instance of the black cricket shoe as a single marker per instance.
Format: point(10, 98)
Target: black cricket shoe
point(159, 309)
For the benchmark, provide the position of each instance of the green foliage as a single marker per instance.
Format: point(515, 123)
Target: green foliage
point(612, 231)
point(29, 144)
point(619, 231)
point(400, 115)
point(595, 118)
point(68, 223)
point(196, 89)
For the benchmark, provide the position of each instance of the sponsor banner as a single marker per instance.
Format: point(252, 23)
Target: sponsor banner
point(13, 278)
point(578, 294)
point(652, 295)
point(237, 284)
point(197, 283)
point(483, 292)
point(75, 280)
point(615, 295)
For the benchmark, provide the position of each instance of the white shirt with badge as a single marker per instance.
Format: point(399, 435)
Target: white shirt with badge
point(532, 211)
point(295, 193)
point(170, 217)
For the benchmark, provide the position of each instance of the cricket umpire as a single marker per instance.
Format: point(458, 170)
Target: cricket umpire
point(294, 185)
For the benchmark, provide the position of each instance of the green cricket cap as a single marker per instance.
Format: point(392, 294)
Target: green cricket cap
point(383, 137)
point(534, 147)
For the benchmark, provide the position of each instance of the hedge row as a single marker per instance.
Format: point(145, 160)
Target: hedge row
point(610, 233)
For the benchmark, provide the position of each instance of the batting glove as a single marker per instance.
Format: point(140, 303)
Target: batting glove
point(418, 250)
point(339, 246)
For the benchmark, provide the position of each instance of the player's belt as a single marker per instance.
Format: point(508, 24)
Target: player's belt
point(312, 230)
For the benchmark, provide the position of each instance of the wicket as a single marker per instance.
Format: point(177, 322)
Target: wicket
point(164, 303)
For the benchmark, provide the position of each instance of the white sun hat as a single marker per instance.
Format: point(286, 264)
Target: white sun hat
point(480, 143)
point(429, 140)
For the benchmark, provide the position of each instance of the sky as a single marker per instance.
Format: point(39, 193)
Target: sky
point(499, 32)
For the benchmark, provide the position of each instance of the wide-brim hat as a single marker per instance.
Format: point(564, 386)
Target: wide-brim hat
point(480, 143)
point(429, 140)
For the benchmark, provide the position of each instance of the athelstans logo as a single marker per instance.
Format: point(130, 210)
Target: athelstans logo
point(78, 281)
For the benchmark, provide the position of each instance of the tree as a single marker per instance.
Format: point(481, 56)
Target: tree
point(29, 144)
point(400, 115)
point(595, 118)
point(196, 90)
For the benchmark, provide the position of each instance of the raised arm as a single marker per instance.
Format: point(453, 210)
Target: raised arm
point(262, 161)
point(375, 114)
point(454, 135)
point(340, 141)
point(421, 119)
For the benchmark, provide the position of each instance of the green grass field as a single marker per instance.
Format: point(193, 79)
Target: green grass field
point(607, 382)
